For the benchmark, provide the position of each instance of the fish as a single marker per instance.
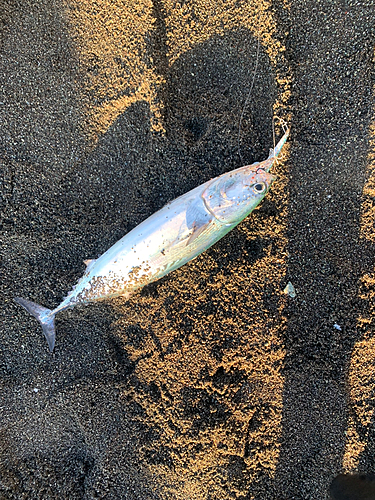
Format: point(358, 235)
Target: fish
point(168, 239)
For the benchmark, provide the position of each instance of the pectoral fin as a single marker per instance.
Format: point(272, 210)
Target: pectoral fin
point(197, 219)
point(197, 231)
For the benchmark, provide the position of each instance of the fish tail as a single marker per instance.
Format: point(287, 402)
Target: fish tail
point(45, 316)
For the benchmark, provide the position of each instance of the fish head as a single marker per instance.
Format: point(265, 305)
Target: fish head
point(232, 196)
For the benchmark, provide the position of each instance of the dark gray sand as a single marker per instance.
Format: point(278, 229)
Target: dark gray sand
point(211, 383)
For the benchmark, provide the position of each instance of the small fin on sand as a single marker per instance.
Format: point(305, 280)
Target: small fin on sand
point(45, 317)
point(89, 263)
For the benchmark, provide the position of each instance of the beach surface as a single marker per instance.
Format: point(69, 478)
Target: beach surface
point(212, 383)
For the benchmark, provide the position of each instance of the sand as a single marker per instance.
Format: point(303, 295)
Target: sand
point(211, 383)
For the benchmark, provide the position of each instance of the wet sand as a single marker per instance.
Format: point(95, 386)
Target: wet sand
point(211, 383)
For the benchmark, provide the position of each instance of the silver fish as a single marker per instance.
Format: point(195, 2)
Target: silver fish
point(181, 230)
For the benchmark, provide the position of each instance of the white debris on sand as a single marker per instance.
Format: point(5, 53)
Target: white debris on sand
point(290, 290)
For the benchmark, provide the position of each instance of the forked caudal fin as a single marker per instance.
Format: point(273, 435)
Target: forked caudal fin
point(45, 317)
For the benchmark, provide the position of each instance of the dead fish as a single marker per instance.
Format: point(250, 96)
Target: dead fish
point(176, 234)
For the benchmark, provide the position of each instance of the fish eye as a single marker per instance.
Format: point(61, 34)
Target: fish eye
point(259, 187)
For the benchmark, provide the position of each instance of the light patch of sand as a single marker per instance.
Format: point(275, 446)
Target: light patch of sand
point(111, 43)
point(362, 364)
